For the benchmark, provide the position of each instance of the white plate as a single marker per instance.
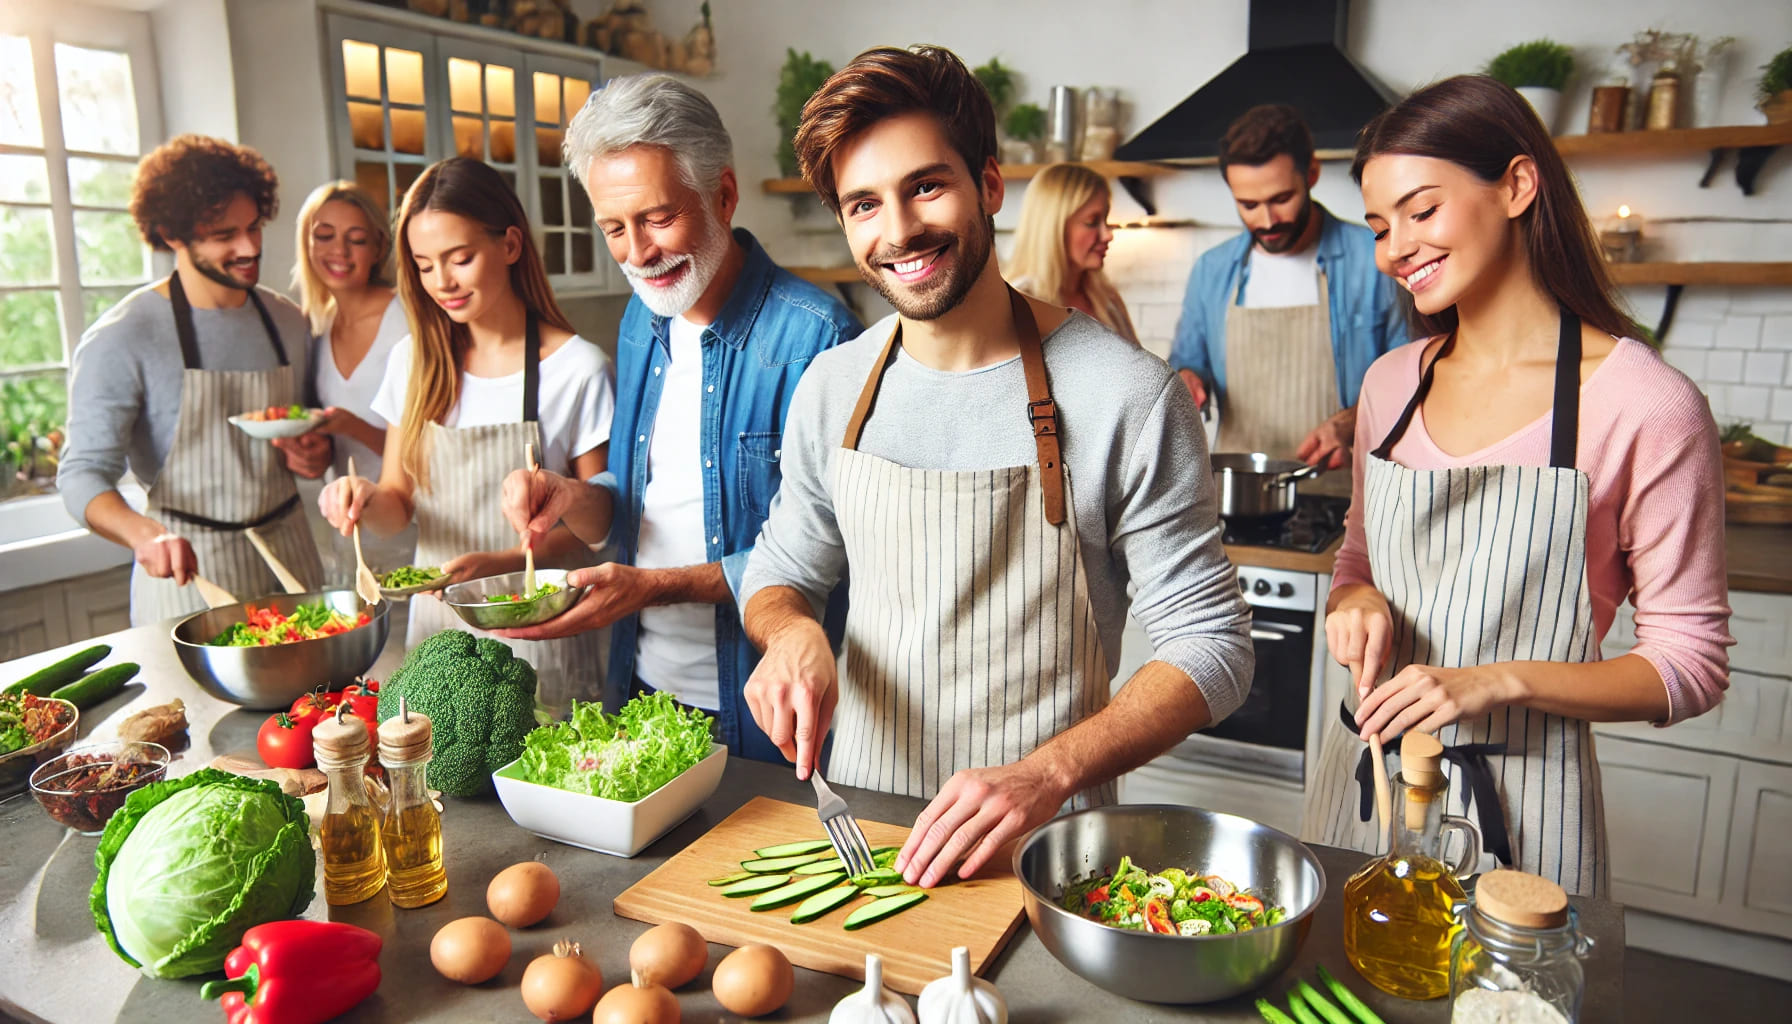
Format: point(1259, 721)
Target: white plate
point(267, 430)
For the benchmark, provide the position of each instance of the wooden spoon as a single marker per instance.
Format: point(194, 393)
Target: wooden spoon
point(366, 586)
point(1384, 800)
point(214, 595)
point(529, 548)
point(281, 572)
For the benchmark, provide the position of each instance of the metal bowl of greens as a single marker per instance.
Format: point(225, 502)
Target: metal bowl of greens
point(498, 602)
point(275, 675)
point(1057, 859)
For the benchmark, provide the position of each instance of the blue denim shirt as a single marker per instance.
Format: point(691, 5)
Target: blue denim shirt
point(1367, 317)
point(773, 324)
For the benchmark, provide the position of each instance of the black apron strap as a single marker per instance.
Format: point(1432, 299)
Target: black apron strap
point(189, 341)
point(532, 371)
point(1471, 761)
point(257, 523)
point(1412, 405)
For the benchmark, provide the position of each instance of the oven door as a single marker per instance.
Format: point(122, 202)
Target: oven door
point(1267, 735)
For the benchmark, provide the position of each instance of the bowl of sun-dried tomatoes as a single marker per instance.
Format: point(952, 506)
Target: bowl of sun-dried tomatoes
point(82, 787)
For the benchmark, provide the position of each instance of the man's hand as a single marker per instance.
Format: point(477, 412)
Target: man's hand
point(308, 455)
point(1360, 634)
point(976, 813)
point(1328, 446)
point(1427, 698)
point(534, 501)
point(617, 591)
point(1196, 389)
point(166, 556)
point(477, 565)
point(793, 692)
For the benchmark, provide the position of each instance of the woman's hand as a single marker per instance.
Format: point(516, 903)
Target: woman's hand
point(344, 499)
point(1427, 698)
point(1359, 633)
point(477, 565)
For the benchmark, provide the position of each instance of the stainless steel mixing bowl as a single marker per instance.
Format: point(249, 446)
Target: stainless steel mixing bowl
point(1169, 968)
point(274, 677)
point(469, 600)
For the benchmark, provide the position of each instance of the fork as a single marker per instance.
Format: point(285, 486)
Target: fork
point(843, 829)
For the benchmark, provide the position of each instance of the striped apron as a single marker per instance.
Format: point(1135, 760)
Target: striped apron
point(970, 638)
point(1281, 377)
point(460, 513)
point(207, 452)
point(1485, 564)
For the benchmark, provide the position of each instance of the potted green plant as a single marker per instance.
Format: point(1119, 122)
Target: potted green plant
point(997, 79)
point(1539, 70)
point(1775, 90)
point(798, 80)
point(1024, 126)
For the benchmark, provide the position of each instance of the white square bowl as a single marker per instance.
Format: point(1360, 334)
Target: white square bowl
point(608, 826)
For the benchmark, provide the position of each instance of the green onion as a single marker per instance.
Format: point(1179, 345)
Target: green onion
point(1331, 1013)
point(1273, 1015)
point(1348, 998)
point(1301, 1013)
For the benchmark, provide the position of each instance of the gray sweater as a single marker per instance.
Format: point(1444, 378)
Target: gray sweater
point(125, 383)
point(1144, 497)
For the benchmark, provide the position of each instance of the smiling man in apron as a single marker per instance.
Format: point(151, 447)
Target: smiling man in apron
point(156, 379)
point(1280, 324)
point(991, 474)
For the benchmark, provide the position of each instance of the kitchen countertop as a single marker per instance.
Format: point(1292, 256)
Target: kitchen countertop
point(54, 966)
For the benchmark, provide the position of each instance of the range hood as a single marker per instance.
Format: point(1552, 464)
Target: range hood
point(1296, 57)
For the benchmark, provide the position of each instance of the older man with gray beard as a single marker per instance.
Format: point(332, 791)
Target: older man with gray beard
point(707, 359)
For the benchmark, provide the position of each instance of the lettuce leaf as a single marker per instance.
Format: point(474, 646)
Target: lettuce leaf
point(622, 757)
point(188, 865)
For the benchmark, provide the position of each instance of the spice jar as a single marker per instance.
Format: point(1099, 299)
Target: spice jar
point(412, 834)
point(1517, 958)
point(354, 865)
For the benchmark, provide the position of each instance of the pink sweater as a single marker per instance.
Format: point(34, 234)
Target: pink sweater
point(1655, 531)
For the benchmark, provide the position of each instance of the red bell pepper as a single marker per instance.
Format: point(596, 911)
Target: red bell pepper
point(297, 972)
point(1157, 918)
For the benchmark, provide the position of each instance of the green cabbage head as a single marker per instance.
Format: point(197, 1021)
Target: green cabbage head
point(187, 866)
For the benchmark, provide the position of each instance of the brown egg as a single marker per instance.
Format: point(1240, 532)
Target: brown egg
point(470, 950)
point(753, 980)
point(669, 954)
point(638, 1002)
point(523, 894)
point(561, 985)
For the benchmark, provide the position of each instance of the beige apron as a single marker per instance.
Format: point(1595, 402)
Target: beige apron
point(460, 513)
point(1281, 381)
point(1486, 564)
point(217, 480)
point(970, 638)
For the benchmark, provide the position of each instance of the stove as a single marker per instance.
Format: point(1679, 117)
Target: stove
point(1318, 520)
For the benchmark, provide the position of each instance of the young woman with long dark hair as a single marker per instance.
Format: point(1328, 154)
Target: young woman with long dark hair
point(1519, 474)
point(492, 364)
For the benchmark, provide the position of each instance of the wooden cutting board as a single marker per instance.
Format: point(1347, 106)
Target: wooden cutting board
point(916, 945)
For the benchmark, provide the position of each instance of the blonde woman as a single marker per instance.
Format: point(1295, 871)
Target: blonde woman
point(1062, 242)
point(345, 286)
point(492, 364)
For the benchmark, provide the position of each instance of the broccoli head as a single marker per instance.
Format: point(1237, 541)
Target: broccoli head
point(480, 699)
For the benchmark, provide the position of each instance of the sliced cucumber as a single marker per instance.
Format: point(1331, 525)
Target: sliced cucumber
point(739, 876)
point(823, 903)
point(880, 891)
point(755, 885)
point(819, 867)
point(773, 865)
point(802, 888)
point(877, 910)
point(794, 849)
point(882, 876)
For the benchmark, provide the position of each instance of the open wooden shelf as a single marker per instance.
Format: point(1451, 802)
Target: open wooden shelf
point(827, 275)
point(1010, 172)
point(1758, 274)
point(1675, 141)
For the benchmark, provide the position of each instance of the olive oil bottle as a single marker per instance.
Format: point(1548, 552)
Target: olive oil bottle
point(412, 834)
point(354, 864)
point(1398, 921)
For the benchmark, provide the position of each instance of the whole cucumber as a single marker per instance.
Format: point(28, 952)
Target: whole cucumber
point(85, 693)
point(45, 680)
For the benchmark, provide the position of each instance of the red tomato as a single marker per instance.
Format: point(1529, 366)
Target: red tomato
point(285, 742)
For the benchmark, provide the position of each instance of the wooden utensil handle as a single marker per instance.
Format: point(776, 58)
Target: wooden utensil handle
point(281, 572)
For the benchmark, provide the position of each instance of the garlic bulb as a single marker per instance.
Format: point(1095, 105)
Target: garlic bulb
point(871, 1004)
point(961, 997)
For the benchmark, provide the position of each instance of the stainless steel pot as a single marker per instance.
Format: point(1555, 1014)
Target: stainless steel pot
point(1254, 486)
point(274, 677)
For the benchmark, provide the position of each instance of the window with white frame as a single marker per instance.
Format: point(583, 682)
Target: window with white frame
point(77, 109)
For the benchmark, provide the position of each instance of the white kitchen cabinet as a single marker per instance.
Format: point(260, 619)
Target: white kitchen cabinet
point(32, 619)
point(1758, 882)
point(98, 604)
point(1667, 814)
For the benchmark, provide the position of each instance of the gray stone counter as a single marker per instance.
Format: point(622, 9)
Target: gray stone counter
point(54, 966)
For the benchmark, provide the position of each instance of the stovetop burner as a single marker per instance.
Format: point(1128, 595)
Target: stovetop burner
point(1318, 520)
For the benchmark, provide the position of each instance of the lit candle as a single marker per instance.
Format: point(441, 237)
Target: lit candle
point(1621, 236)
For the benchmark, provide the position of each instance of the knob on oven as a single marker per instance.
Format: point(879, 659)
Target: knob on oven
point(1260, 588)
point(1243, 584)
point(1285, 590)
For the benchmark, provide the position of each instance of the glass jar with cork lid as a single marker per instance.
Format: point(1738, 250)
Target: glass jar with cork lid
point(349, 836)
point(412, 834)
point(1517, 958)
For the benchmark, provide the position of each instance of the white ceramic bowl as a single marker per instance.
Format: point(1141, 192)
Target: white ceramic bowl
point(608, 826)
point(267, 430)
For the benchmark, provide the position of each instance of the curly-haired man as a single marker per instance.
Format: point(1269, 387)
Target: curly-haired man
point(156, 379)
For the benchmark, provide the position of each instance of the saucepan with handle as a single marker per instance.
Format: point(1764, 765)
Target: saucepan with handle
point(1256, 488)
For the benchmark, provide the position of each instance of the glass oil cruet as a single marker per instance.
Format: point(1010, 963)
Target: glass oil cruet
point(1517, 957)
point(1398, 909)
point(412, 834)
point(354, 865)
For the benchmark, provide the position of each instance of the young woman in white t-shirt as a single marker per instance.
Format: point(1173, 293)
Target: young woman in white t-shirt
point(345, 286)
point(467, 396)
